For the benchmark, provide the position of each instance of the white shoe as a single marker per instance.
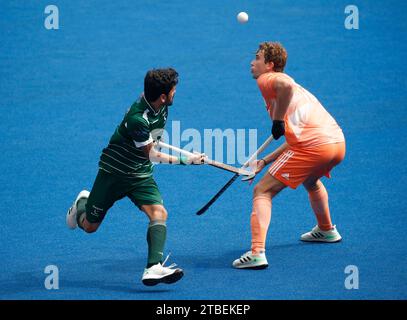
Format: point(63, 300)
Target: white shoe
point(251, 261)
point(71, 215)
point(158, 273)
point(318, 235)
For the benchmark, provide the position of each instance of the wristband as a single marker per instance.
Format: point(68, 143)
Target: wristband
point(183, 160)
point(278, 129)
point(265, 163)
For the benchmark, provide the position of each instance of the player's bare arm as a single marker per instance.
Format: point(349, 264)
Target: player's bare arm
point(284, 93)
point(157, 156)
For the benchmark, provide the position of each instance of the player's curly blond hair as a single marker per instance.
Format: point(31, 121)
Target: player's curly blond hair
point(274, 52)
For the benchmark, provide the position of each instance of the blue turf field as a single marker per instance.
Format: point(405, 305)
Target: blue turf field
point(63, 91)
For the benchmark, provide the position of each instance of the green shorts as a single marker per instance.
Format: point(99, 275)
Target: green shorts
point(109, 188)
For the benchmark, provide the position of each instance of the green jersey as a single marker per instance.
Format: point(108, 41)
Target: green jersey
point(141, 126)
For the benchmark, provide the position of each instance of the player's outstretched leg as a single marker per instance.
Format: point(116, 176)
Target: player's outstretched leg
point(156, 272)
point(77, 206)
point(324, 231)
point(264, 191)
point(256, 257)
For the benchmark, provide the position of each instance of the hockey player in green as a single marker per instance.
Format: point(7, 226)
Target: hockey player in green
point(125, 169)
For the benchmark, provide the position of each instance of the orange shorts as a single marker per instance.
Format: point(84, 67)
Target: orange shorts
point(295, 165)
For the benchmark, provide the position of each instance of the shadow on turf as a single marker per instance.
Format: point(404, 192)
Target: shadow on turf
point(34, 281)
point(223, 260)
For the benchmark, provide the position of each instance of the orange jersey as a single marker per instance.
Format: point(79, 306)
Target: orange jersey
point(307, 122)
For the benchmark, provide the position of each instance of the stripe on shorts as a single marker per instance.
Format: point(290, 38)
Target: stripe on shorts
point(280, 162)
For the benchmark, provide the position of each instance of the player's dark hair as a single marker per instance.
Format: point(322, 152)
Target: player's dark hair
point(274, 52)
point(158, 82)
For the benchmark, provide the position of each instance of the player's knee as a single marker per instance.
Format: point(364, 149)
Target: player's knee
point(263, 190)
point(313, 186)
point(257, 190)
point(159, 214)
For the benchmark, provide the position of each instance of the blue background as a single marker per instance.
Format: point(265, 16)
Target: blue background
point(62, 93)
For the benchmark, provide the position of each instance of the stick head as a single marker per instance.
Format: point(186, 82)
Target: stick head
point(249, 177)
point(245, 173)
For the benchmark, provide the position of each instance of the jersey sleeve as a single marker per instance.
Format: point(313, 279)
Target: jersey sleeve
point(265, 83)
point(139, 130)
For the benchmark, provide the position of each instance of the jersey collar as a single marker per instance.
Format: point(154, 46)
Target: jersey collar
point(149, 106)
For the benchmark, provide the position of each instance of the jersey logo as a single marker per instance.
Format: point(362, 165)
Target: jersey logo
point(286, 176)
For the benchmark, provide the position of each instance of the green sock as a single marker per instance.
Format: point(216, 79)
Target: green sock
point(81, 209)
point(156, 236)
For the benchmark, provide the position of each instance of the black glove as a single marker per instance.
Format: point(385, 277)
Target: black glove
point(278, 129)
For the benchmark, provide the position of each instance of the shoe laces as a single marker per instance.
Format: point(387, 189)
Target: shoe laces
point(171, 265)
point(318, 229)
point(248, 253)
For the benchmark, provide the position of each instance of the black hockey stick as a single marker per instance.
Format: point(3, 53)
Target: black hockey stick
point(229, 183)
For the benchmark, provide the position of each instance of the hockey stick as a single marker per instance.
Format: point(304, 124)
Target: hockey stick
point(211, 162)
point(229, 183)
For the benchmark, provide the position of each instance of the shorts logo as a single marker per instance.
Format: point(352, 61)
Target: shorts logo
point(286, 176)
point(96, 211)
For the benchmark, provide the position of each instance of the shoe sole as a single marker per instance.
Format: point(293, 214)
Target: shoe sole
point(260, 267)
point(174, 277)
point(82, 195)
point(68, 216)
point(321, 240)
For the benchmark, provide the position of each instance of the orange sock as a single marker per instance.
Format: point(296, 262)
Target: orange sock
point(259, 222)
point(319, 203)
